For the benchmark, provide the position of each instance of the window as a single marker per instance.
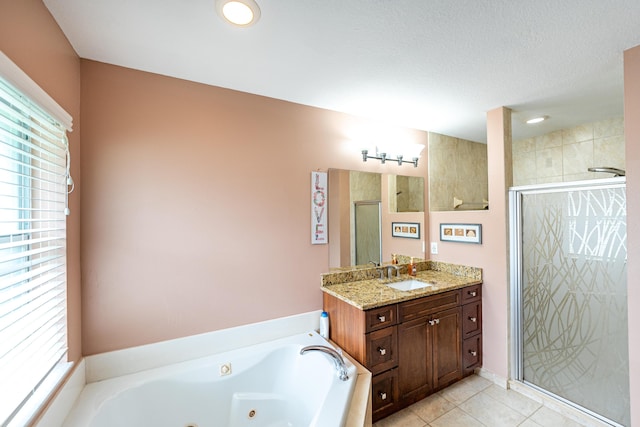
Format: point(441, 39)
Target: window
point(34, 178)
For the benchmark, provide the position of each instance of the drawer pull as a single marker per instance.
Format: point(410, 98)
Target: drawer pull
point(382, 351)
point(472, 293)
point(473, 319)
point(473, 353)
point(381, 318)
point(382, 395)
point(432, 322)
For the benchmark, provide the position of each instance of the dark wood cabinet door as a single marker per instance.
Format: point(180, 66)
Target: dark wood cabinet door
point(447, 343)
point(381, 317)
point(415, 359)
point(382, 350)
point(384, 394)
point(471, 354)
point(471, 319)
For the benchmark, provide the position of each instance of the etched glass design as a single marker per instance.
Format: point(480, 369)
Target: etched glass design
point(574, 298)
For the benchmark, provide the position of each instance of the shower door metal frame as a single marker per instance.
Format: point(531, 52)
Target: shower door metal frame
point(516, 271)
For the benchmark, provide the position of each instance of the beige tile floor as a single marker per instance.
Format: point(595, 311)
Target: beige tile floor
point(477, 402)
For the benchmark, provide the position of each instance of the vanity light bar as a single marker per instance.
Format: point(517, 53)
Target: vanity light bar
point(383, 158)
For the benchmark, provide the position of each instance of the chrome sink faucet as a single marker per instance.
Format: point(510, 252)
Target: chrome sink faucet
point(390, 269)
point(338, 361)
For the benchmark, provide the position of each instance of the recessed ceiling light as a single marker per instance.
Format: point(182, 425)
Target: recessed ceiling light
point(537, 120)
point(241, 13)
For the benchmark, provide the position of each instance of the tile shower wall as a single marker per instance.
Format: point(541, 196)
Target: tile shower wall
point(565, 155)
point(408, 190)
point(457, 168)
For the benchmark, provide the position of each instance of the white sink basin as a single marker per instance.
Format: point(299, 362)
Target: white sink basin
point(409, 285)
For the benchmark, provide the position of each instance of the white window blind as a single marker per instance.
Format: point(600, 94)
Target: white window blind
point(34, 174)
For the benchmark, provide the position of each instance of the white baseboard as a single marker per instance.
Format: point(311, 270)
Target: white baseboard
point(494, 378)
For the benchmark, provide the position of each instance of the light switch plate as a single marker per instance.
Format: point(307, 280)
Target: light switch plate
point(434, 248)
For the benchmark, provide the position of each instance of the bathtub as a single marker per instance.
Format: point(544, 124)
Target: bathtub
point(268, 384)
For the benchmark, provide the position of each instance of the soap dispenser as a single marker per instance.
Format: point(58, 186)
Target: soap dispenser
point(411, 269)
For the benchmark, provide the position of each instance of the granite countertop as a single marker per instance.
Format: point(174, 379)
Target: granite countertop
point(371, 293)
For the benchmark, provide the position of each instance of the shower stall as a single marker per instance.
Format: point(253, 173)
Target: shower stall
point(569, 294)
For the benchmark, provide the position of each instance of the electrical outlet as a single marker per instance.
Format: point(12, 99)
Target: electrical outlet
point(434, 248)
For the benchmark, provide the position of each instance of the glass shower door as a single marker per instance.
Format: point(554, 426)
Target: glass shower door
point(367, 232)
point(569, 294)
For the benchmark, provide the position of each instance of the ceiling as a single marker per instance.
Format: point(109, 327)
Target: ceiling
point(435, 65)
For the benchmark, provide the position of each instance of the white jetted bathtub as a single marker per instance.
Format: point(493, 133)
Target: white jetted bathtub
point(269, 384)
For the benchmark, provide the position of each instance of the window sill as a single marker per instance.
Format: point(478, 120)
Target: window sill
point(42, 395)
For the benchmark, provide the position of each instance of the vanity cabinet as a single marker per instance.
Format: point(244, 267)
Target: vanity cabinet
point(412, 348)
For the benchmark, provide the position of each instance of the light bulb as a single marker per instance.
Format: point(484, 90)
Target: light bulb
point(242, 13)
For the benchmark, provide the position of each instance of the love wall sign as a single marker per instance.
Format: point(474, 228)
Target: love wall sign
point(318, 208)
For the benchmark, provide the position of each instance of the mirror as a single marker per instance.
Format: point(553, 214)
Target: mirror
point(458, 174)
point(361, 209)
point(406, 193)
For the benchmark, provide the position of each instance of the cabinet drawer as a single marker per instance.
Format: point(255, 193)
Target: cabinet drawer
point(471, 293)
point(384, 393)
point(471, 353)
point(471, 319)
point(382, 349)
point(378, 318)
point(424, 306)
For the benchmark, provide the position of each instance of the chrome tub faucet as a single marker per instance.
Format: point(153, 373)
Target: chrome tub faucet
point(338, 361)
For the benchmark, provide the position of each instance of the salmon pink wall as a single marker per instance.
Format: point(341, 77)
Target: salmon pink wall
point(196, 205)
point(492, 254)
point(31, 38)
point(632, 154)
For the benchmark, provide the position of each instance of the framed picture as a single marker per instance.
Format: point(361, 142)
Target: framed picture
point(410, 230)
point(465, 233)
